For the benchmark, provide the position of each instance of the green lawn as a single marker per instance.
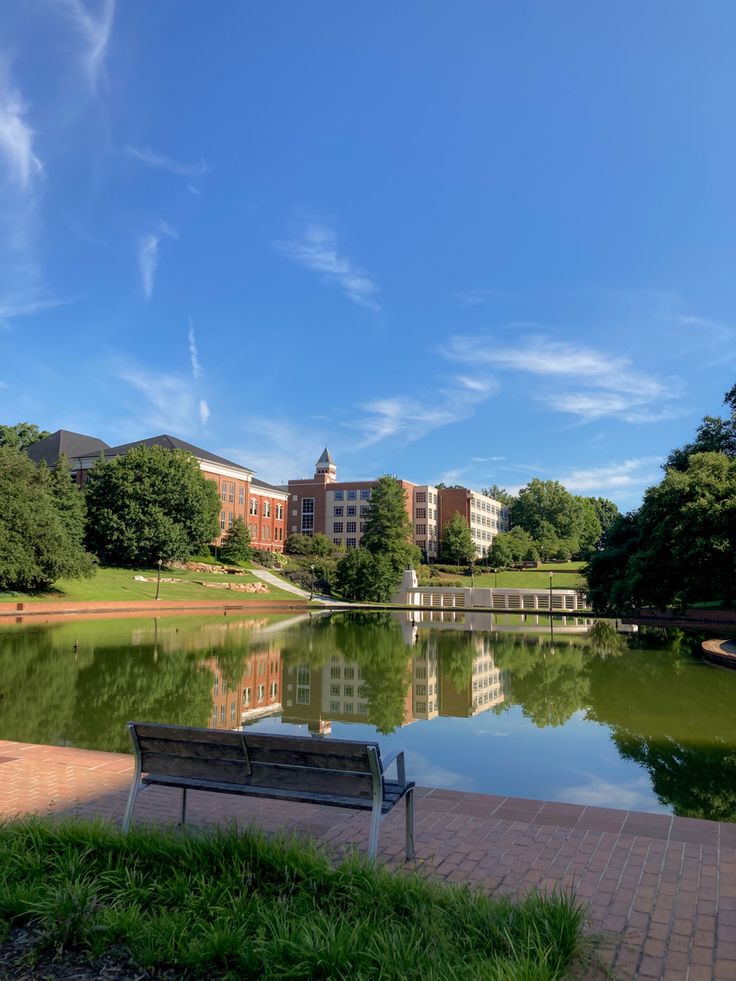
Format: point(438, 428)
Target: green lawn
point(231, 905)
point(120, 584)
point(528, 579)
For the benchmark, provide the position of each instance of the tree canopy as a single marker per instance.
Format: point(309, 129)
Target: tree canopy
point(679, 548)
point(41, 524)
point(236, 545)
point(150, 503)
point(388, 528)
point(457, 542)
point(714, 435)
point(363, 576)
point(499, 494)
point(21, 435)
point(561, 524)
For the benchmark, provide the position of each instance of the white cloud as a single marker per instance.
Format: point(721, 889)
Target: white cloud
point(317, 250)
point(632, 795)
point(148, 247)
point(194, 353)
point(204, 412)
point(95, 28)
point(148, 261)
point(170, 405)
point(410, 419)
point(631, 474)
point(16, 138)
point(159, 160)
point(606, 385)
point(278, 449)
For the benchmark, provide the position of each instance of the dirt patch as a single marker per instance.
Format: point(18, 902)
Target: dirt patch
point(22, 958)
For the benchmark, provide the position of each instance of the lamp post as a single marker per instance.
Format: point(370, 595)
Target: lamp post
point(311, 590)
point(158, 580)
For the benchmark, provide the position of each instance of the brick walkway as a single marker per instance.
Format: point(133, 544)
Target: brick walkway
point(662, 889)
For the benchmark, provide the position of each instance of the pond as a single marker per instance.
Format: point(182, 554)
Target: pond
point(594, 716)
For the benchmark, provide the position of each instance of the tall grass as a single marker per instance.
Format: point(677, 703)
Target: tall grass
point(233, 905)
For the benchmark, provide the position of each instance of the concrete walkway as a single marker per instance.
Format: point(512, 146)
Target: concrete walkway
point(289, 587)
point(661, 889)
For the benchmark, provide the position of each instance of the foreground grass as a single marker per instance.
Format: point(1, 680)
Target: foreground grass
point(114, 584)
point(566, 577)
point(233, 905)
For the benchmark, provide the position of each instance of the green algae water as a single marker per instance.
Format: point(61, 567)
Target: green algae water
point(578, 713)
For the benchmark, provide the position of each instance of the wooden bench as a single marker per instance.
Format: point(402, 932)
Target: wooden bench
point(336, 772)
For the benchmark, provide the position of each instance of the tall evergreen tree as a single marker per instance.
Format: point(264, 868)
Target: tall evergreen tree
point(457, 542)
point(388, 528)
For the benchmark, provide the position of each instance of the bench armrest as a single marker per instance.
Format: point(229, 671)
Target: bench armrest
point(397, 758)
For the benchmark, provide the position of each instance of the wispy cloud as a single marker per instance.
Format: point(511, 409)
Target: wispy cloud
point(148, 248)
point(409, 419)
point(95, 27)
point(159, 160)
point(169, 403)
point(633, 474)
point(22, 290)
point(21, 164)
point(317, 249)
point(193, 352)
point(605, 385)
point(204, 412)
point(474, 298)
point(278, 449)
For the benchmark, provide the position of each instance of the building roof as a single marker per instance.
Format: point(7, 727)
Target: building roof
point(279, 489)
point(174, 443)
point(72, 445)
point(326, 458)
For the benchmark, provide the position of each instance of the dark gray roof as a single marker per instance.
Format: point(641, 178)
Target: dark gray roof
point(72, 445)
point(270, 487)
point(174, 443)
point(326, 458)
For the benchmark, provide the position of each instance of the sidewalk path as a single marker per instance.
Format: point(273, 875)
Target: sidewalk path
point(662, 889)
point(289, 587)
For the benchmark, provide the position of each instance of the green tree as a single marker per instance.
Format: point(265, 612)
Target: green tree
point(499, 494)
point(606, 511)
point(321, 546)
point(679, 548)
point(236, 545)
point(500, 554)
point(457, 542)
point(388, 527)
point(21, 435)
point(551, 515)
point(589, 527)
point(298, 544)
point(40, 524)
point(147, 504)
point(363, 576)
point(714, 435)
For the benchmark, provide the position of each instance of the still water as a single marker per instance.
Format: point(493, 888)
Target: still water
point(597, 717)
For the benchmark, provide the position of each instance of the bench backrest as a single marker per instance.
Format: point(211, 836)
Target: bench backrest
point(343, 768)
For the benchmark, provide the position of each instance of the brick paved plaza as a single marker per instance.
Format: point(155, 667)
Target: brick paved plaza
point(661, 889)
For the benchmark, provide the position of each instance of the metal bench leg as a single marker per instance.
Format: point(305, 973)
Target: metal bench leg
point(410, 853)
point(375, 829)
point(131, 802)
point(183, 806)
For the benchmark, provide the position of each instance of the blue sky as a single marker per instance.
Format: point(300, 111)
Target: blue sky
point(474, 242)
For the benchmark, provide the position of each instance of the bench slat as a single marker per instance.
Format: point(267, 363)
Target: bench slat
point(236, 773)
point(333, 754)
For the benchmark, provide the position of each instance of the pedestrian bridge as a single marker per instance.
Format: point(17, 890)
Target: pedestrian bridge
point(410, 593)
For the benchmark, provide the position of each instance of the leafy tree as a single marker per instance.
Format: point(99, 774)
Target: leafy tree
point(41, 518)
point(322, 546)
point(589, 527)
point(457, 542)
point(714, 435)
point(363, 576)
point(148, 504)
point(298, 544)
point(388, 528)
point(21, 435)
point(236, 545)
point(606, 511)
point(679, 548)
point(499, 494)
point(500, 554)
point(550, 514)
